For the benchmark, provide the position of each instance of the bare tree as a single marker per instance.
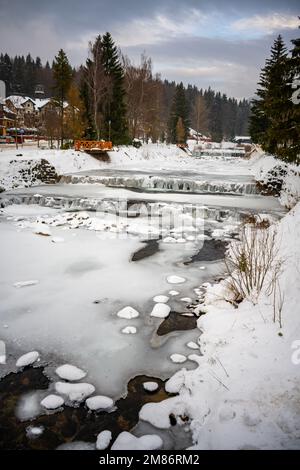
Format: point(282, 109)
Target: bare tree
point(200, 117)
point(98, 82)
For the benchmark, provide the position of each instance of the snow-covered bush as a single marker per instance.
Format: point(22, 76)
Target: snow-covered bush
point(290, 193)
point(252, 261)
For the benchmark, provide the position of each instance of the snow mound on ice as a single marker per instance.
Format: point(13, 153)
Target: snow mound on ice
point(75, 392)
point(178, 358)
point(150, 386)
point(128, 312)
point(186, 299)
point(160, 310)
point(129, 330)
point(25, 283)
point(99, 402)
point(126, 441)
point(52, 402)
point(27, 359)
point(103, 440)
point(175, 279)
point(69, 372)
point(162, 299)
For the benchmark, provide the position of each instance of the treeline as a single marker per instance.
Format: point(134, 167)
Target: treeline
point(22, 74)
point(120, 100)
point(275, 114)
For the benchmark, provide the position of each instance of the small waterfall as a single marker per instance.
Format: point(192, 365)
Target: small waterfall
point(127, 208)
point(163, 184)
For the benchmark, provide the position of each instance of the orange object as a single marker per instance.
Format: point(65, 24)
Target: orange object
point(93, 144)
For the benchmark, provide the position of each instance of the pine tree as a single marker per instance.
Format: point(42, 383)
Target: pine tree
point(179, 109)
point(62, 74)
point(115, 125)
point(268, 122)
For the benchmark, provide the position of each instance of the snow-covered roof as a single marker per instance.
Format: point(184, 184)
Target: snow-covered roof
point(242, 137)
point(40, 102)
point(18, 101)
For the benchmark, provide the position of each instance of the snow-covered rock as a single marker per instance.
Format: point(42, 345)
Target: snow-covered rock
point(75, 392)
point(52, 402)
point(127, 441)
point(173, 292)
point(32, 432)
point(175, 279)
point(129, 330)
point(161, 299)
point(27, 359)
point(160, 310)
point(128, 312)
point(150, 386)
point(178, 358)
point(192, 345)
point(99, 402)
point(69, 372)
point(103, 440)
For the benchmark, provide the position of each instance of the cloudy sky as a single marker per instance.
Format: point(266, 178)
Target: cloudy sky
point(204, 42)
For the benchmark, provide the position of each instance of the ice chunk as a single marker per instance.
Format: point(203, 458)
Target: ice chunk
point(150, 386)
point(160, 310)
point(161, 299)
point(69, 372)
point(175, 279)
point(126, 441)
point(129, 330)
point(75, 392)
point(52, 402)
point(178, 358)
point(128, 312)
point(25, 283)
point(99, 402)
point(27, 359)
point(41, 229)
point(103, 440)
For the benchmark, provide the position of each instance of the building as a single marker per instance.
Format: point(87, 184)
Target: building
point(7, 119)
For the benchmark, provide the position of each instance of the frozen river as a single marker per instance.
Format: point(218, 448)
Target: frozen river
point(85, 273)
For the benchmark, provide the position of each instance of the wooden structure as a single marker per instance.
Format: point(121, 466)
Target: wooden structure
point(93, 145)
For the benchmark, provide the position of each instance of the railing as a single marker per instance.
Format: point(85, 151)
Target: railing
point(93, 144)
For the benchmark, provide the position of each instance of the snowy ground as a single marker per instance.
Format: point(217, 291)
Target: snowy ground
point(70, 274)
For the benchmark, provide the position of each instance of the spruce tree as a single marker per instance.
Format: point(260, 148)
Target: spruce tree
point(292, 152)
point(179, 110)
point(62, 75)
point(115, 125)
point(268, 122)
